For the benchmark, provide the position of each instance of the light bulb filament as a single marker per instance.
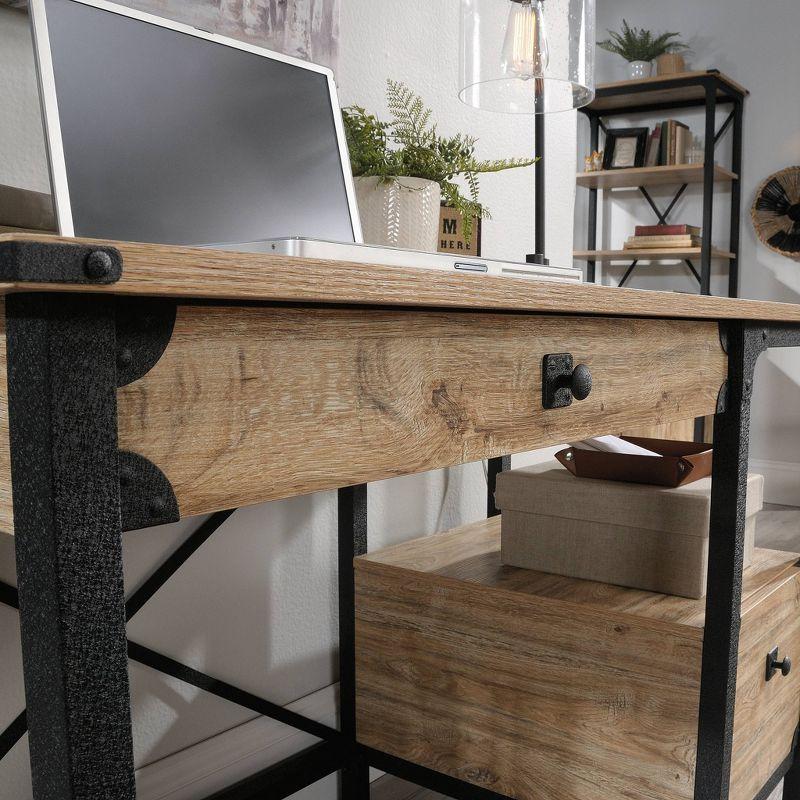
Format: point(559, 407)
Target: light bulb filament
point(525, 50)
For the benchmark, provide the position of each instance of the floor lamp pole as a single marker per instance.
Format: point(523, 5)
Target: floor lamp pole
point(539, 192)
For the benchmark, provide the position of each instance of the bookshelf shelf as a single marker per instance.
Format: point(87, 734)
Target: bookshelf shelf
point(652, 176)
point(682, 90)
point(667, 254)
point(714, 93)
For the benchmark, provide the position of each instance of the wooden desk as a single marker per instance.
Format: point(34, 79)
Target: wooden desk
point(144, 383)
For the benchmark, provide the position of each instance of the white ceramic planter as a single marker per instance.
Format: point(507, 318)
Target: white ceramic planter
point(402, 212)
point(639, 69)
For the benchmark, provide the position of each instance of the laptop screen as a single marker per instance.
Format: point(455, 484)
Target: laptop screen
point(172, 138)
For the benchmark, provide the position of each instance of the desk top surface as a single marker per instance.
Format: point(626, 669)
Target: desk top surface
point(184, 273)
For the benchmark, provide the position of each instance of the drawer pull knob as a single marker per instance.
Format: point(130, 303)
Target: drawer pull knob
point(581, 383)
point(773, 665)
point(561, 382)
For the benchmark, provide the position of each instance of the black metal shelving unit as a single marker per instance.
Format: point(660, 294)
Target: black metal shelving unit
point(709, 89)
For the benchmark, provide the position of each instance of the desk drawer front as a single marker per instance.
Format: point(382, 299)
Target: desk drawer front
point(254, 404)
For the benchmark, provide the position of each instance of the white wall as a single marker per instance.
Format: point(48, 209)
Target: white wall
point(256, 605)
point(758, 45)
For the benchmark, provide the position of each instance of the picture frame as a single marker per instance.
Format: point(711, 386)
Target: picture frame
point(625, 148)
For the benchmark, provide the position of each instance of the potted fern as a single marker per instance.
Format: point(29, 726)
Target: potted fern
point(640, 47)
point(404, 169)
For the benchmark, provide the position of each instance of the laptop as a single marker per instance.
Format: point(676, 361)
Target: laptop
point(160, 132)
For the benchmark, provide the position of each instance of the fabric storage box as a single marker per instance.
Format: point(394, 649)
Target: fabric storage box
point(645, 537)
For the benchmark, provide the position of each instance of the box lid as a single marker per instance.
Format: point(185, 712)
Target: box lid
point(542, 489)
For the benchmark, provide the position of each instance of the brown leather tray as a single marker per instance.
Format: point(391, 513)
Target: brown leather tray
point(682, 463)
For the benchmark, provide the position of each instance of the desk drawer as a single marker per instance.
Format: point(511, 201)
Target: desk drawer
point(259, 403)
point(540, 686)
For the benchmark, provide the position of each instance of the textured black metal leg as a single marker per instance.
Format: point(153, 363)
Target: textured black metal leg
point(352, 543)
point(64, 464)
point(726, 552)
point(496, 466)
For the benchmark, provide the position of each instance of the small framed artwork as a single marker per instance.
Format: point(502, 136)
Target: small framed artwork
point(625, 148)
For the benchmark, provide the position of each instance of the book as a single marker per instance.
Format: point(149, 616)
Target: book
point(666, 230)
point(662, 242)
point(675, 140)
point(653, 145)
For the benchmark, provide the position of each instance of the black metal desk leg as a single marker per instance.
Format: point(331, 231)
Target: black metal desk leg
point(496, 466)
point(354, 778)
point(726, 552)
point(64, 466)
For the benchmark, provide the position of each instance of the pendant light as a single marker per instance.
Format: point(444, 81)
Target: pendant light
point(527, 56)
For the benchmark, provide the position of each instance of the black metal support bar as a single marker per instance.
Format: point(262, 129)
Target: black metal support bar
point(494, 468)
point(428, 778)
point(158, 661)
point(725, 561)
point(725, 125)
point(352, 536)
point(708, 187)
point(13, 733)
point(66, 494)
point(595, 124)
point(736, 199)
point(174, 562)
point(675, 199)
point(288, 776)
point(690, 264)
point(9, 595)
point(628, 273)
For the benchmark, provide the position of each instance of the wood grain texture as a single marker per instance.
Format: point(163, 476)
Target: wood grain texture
point(539, 686)
point(671, 94)
point(253, 404)
point(186, 272)
point(650, 176)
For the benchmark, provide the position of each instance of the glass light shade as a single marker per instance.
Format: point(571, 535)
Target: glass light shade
point(527, 56)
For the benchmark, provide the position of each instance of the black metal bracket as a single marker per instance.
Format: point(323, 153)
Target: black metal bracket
point(146, 495)
point(59, 262)
point(144, 329)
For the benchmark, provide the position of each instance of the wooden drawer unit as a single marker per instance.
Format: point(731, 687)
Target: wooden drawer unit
point(538, 686)
point(259, 403)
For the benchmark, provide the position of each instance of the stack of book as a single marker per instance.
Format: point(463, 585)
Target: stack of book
point(669, 144)
point(664, 237)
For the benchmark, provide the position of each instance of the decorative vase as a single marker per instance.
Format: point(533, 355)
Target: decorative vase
point(400, 212)
point(670, 64)
point(639, 69)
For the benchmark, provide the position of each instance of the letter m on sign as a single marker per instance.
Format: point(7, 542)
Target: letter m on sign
point(450, 226)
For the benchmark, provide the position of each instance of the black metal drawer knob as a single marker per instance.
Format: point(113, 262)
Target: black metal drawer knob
point(561, 382)
point(773, 665)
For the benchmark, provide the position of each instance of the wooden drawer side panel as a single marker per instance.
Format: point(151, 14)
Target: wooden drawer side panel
point(520, 700)
point(254, 404)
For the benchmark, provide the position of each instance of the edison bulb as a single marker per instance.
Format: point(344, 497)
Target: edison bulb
point(525, 50)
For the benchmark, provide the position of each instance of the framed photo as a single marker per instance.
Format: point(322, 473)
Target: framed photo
point(625, 148)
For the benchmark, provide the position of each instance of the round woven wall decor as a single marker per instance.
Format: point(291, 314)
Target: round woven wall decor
point(776, 212)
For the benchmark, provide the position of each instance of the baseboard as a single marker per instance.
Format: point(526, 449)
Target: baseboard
point(781, 481)
point(221, 761)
